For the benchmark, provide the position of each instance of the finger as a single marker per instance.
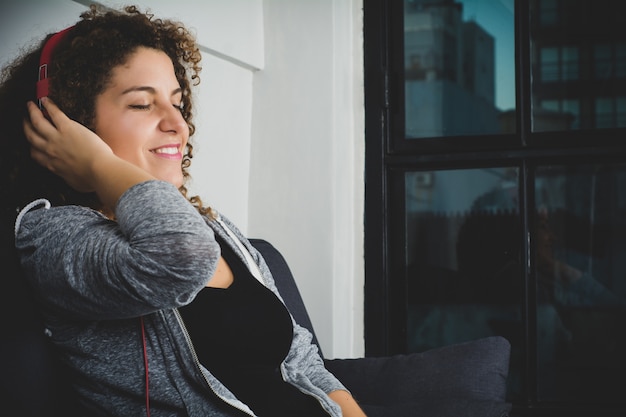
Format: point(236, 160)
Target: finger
point(35, 137)
point(37, 118)
point(31, 134)
point(56, 115)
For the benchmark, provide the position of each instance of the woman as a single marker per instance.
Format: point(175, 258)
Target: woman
point(115, 248)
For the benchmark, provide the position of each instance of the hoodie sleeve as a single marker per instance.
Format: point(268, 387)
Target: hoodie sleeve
point(157, 255)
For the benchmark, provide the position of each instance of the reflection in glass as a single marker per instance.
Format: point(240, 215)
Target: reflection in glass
point(580, 241)
point(463, 240)
point(578, 61)
point(459, 67)
point(610, 112)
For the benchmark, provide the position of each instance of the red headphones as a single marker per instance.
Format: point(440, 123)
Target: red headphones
point(44, 60)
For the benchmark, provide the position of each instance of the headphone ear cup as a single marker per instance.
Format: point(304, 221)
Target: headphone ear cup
point(44, 61)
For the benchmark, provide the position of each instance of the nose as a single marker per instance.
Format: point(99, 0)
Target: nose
point(172, 120)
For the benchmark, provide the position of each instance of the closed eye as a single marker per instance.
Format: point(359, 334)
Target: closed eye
point(140, 106)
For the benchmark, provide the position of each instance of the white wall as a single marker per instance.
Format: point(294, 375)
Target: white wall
point(279, 141)
point(24, 23)
point(306, 191)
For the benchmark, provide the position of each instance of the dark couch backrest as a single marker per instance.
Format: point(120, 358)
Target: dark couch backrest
point(285, 283)
point(31, 380)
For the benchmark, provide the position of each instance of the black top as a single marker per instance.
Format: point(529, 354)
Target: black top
point(241, 334)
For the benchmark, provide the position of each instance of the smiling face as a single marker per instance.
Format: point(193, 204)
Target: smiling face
point(138, 115)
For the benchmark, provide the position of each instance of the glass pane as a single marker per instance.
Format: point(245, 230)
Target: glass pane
point(620, 60)
point(603, 62)
point(609, 60)
point(604, 112)
point(610, 112)
point(459, 61)
point(549, 64)
point(571, 61)
point(621, 112)
point(578, 58)
point(463, 240)
point(580, 242)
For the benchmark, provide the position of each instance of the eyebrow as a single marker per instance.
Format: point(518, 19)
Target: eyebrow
point(150, 90)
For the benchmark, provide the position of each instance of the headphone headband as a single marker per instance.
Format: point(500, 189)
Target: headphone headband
point(44, 61)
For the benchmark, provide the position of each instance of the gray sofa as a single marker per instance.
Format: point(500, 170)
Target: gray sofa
point(463, 380)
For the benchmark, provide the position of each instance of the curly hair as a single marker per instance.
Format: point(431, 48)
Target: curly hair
point(81, 69)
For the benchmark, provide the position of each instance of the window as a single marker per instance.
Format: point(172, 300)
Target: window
point(496, 190)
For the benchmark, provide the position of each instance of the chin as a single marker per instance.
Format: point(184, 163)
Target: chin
point(174, 178)
point(177, 182)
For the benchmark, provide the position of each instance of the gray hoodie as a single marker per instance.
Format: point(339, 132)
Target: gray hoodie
point(95, 278)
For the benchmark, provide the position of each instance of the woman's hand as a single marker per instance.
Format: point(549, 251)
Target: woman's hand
point(78, 155)
point(349, 406)
point(64, 146)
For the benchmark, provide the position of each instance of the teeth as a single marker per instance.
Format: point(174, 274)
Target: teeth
point(169, 151)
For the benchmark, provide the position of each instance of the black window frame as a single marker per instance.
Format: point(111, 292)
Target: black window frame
point(388, 155)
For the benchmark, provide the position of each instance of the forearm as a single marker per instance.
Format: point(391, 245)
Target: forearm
point(112, 176)
point(349, 406)
point(157, 256)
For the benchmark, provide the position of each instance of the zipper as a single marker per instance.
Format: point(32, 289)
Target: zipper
point(310, 394)
point(199, 366)
point(247, 256)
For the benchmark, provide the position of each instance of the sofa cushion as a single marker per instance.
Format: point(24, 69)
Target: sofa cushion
point(447, 381)
point(456, 408)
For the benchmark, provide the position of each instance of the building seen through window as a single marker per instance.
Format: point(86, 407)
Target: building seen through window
point(459, 68)
point(451, 67)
